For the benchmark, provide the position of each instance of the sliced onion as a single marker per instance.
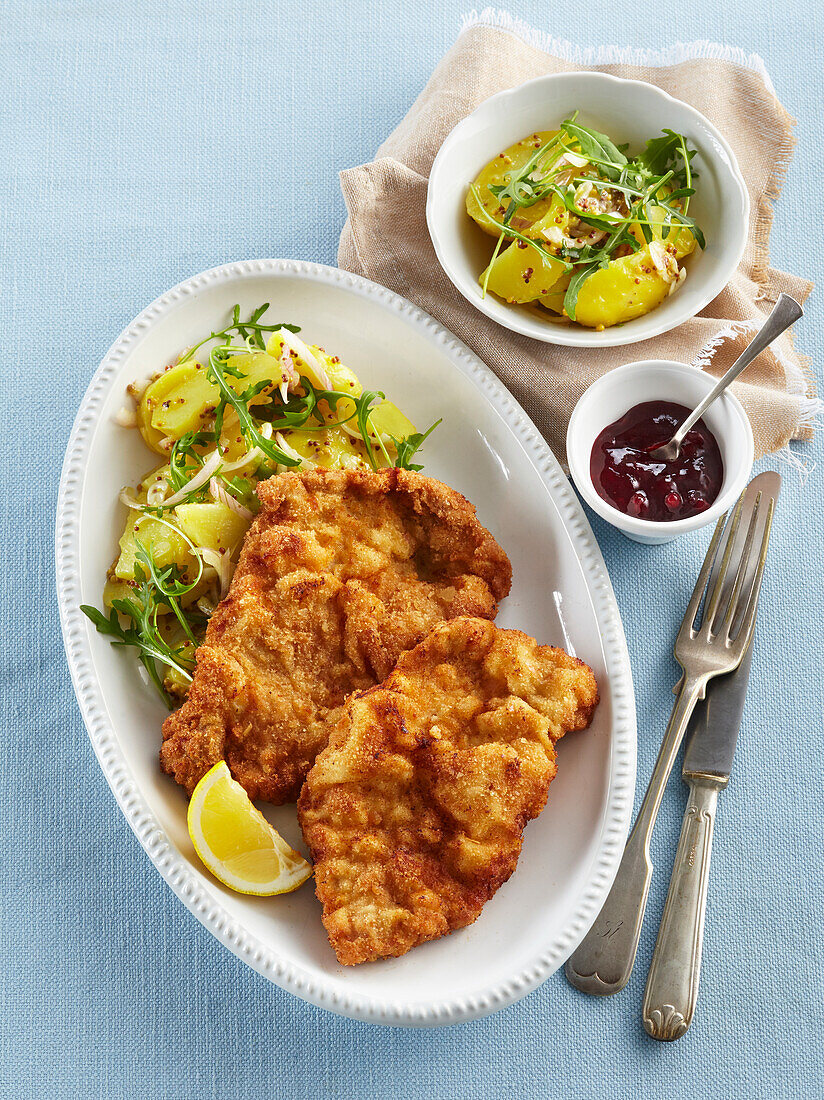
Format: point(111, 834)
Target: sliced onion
point(157, 493)
point(306, 463)
point(222, 565)
point(290, 375)
point(200, 478)
point(205, 605)
point(219, 493)
point(310, 359)
point(665, 263)
point(574, 159)
point(682, 274)
point(126, 418)
point(130, 502)
point(554, 234)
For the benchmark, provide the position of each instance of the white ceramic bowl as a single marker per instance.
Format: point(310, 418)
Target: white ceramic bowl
point(659, 380)
point(629, 111)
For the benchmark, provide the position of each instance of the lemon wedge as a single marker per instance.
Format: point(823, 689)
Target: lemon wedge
point(237, 843)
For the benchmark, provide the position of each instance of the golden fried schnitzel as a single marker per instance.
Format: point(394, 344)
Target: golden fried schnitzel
point(340, 573)
point(414, 812)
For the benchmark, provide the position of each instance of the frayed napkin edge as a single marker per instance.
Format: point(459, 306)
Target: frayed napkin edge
point(616, 55)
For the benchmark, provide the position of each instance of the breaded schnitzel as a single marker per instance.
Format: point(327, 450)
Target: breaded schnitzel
point(340, 573)
point(414, 812)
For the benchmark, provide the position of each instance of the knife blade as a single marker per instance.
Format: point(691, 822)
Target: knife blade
point(712, 733)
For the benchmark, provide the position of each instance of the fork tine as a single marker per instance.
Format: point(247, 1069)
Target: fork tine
point(741, 571)
point(742, 638)
point(714, 597)
point(701, 583)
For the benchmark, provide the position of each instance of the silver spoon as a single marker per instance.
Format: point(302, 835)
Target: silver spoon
point(785, 312)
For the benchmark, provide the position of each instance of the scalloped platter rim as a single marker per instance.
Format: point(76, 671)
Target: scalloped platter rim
point(488, 449)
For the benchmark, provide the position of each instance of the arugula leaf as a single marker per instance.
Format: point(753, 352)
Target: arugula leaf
point(168, 583)
point(252, 329)
point(239, 403)
point(407, 447)
point(144, 636)
point(148, 653)
point(659, 153)
point(597, 148)
point(575, 284)
point(363, 412)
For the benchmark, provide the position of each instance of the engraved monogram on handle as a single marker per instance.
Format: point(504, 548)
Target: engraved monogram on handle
point(672, 984)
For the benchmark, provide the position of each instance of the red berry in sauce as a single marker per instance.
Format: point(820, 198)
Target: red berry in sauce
point(637, 504)
point(625, 475)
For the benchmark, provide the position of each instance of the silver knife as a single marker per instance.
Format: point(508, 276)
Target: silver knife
point(672, 984)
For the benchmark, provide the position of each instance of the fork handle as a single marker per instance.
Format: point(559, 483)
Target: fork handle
point(603, 962)
point(672, 984)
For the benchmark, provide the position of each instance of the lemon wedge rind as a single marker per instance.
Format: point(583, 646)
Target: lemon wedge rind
point(235, 841)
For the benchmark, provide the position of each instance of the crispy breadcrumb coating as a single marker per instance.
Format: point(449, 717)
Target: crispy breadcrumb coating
point(341, 572)
point(414, 812)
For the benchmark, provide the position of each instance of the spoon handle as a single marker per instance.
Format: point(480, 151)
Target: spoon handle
point(785, 312)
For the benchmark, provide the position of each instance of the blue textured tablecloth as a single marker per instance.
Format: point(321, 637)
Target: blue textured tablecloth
point(143, 142)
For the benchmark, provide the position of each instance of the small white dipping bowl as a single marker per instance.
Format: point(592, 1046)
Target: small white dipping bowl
point(620, 390)
point(628, 111)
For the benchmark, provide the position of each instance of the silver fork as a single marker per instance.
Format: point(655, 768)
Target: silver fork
point(603, 962)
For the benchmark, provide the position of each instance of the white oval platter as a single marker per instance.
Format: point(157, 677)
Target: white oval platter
point(489, 450)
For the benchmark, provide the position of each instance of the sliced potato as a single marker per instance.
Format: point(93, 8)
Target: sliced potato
point(117, 590)
point(627, 288)
point(213, 525)
point(497, 174)
point(174, 403)
point(183, 397)
point(521, 274)
point(165, 546)
point(388, 420)
point(331, 448)
point(151, 436)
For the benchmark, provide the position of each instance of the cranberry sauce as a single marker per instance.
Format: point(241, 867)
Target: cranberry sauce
point(625, 475)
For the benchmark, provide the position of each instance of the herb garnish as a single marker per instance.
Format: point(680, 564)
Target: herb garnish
point(661, 175)
point(153, 589)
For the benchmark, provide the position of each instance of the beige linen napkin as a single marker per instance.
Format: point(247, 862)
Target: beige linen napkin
point(386, 237)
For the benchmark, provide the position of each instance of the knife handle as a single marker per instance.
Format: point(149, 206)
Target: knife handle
point(672, 984)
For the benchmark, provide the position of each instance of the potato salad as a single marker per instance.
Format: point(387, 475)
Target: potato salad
point(245, 403)
point(583, 231)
